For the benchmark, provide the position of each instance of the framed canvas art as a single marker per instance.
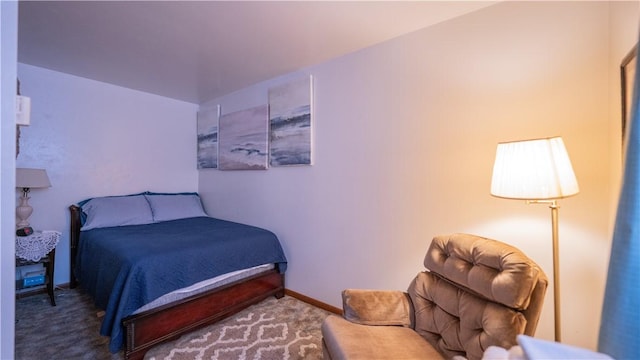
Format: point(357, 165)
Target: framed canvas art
point(243, 142)
point(208, 138)
point(290, 123)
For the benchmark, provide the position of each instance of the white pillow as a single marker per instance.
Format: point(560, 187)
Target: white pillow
point(539, 349)
point(165, 207)
point(116, 211)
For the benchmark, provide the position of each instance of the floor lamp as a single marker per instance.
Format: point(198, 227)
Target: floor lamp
point(540, 172)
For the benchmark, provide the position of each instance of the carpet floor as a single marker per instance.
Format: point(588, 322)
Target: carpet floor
point(271, 330)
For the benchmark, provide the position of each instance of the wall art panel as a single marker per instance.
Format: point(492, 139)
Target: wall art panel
point(290, 123)
point(208, 139)
point(243, 142)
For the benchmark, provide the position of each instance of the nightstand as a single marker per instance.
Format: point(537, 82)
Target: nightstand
point(35, 253)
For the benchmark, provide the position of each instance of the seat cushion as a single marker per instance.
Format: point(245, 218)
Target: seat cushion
point(346, 340)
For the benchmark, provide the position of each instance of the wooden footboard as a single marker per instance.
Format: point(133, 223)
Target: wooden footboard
point(152, 327)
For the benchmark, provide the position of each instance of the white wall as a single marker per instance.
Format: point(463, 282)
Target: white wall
point(8, 70)
point(405, 137)
point(98, 139)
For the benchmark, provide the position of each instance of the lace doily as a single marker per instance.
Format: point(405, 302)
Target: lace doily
point(37, 245)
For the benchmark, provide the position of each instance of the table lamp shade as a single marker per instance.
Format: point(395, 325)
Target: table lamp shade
point(32, 178)
point(536, 169)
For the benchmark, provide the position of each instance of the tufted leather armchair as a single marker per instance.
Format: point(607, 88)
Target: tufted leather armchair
point(476, 293)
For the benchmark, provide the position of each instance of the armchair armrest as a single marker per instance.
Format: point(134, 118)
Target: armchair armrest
point(377, 307)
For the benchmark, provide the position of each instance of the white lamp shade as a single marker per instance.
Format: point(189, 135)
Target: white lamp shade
point(32, 178)
point(536, 169)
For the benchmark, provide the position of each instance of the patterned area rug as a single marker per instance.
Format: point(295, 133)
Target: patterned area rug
point(275, 329)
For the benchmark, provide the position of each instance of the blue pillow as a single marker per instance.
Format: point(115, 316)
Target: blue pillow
point(165, 207)
point(116, 211)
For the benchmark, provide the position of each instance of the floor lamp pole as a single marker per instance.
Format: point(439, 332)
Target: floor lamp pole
point(556, 268)
point(553, 205)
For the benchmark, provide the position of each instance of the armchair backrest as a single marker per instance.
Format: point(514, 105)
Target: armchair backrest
point(477, 292)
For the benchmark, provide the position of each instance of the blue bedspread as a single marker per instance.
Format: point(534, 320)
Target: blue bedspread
point(126, 267)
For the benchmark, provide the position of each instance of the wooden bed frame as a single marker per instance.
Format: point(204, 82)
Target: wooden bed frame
point(152, 327)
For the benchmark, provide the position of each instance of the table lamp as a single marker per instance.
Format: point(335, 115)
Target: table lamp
point(540, 172)
point(28, 179)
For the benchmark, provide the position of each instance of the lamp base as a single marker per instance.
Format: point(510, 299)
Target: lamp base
point(23, 212)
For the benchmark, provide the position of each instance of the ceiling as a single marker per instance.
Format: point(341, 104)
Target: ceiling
point(199, 50)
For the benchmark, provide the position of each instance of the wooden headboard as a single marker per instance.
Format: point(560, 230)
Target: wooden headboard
point(74, 237)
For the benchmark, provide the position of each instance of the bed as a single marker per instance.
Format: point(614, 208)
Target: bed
point(160, 267)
